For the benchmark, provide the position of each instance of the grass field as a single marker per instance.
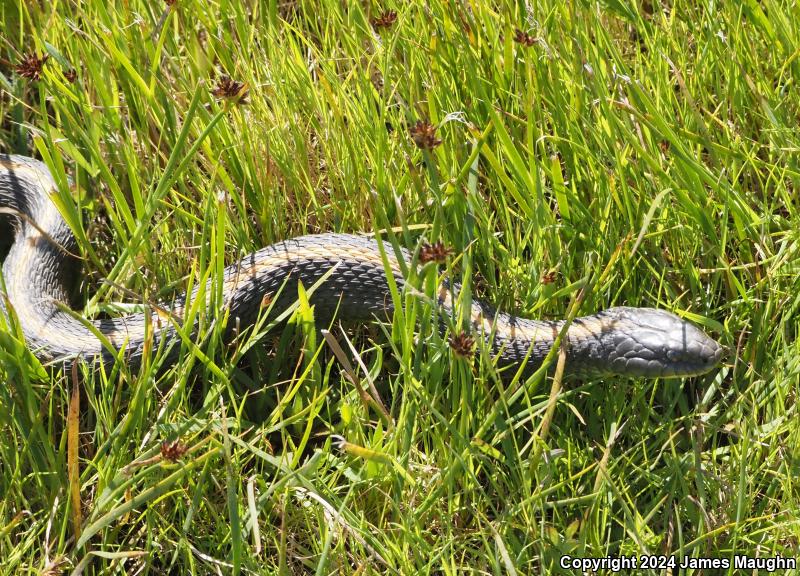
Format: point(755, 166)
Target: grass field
point(643, 154)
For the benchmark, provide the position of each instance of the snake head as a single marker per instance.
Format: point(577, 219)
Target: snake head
point(656, 343)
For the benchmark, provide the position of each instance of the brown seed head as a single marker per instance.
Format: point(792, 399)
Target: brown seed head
point(424, 135)
point(549, 277)
point(31, 66)
point(173, 451)
point(523, 38)
point(228, 88)
point(71, 75)
point(436, 252)
point(384, 19)
point(170, 2)
point(463, 344)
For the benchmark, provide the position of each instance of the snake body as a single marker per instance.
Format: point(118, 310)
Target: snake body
point(40, 269)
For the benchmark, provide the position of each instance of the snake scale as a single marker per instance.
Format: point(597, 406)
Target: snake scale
point(39, 270)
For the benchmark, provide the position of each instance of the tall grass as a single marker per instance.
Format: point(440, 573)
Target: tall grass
point(646, 153)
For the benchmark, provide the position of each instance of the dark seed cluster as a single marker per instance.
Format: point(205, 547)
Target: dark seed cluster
point(424, 135)
point(524, 38)
point(385, 19)
point(173, 451)
point(31, 66)
point(228, 88)
point(436, 252)
point(549, 277)
point(462, 344)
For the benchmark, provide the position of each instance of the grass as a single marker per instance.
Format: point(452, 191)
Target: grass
point(645, 152)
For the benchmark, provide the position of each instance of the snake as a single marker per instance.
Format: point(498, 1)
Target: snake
point(352, 276)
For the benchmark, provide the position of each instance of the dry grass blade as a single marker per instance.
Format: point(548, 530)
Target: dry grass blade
point(73, 452)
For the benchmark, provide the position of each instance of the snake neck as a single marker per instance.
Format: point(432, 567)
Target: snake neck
point(522, 342)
